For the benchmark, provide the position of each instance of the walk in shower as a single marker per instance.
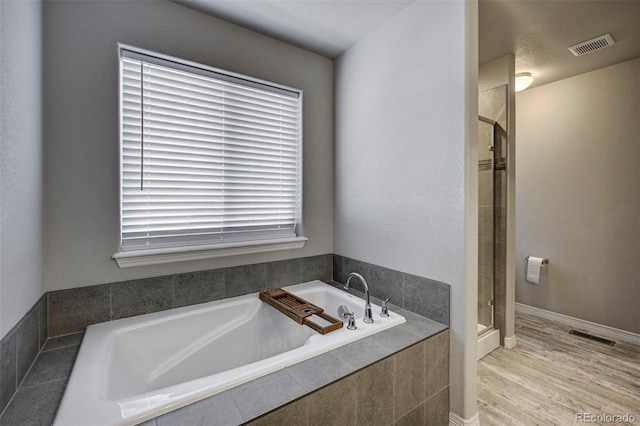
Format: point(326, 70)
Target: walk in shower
point(492, 143)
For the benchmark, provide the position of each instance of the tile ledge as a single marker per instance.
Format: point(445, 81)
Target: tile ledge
point(400, 347)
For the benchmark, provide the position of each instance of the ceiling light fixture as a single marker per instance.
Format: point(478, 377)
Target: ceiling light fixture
point(523, 80)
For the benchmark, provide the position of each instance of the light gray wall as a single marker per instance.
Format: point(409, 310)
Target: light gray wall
point(578, 195)
point(493, 74)
point(81, 123)
point(400, 195)
point(20, 159)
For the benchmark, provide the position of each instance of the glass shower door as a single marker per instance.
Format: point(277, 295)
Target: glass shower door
point(486, 223)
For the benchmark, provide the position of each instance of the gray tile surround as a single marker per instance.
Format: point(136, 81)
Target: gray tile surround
point(423, 296)
point(284, 391)
point(67, 312)
point(43, 312)
point(298, 395)
point(353, 265)
point(382, 283)
point(338, 269)
point(293, 414)
point(413, 417)
point(266, 393)
point(283, 273)
point(317, 268)
point(64, 341)
point(219, 410)
point(375, 407)
point(71, 311)
point(37, 399)
point(28, 343)
point(319, 371)
point(8, 369)
point(198, 287)
point(427, 297)
point(34, 406)
point(388, 391)
point(408, 380)
point(333, 405)
point(130, 298)
point(19, 348)
point(245, 279)
point(51, 365)
point(434, 408)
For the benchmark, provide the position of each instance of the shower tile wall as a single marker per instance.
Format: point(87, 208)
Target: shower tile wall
point(492, 104)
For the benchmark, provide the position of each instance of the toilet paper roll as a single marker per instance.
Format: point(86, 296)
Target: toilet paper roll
point(534, 264)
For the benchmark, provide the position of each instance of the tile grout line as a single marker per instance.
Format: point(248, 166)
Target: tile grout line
point(393, 391)
point(23, 379)
point(58, 348)
point(46, 383)
point(47, 316)
point(424, 374)
point(15, 390)
point(236, 405)
point(298, 382)
point(173, 292)
point(65, 335)
point(110, 303)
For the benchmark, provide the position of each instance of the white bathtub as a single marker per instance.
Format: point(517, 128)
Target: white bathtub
point(134, 369)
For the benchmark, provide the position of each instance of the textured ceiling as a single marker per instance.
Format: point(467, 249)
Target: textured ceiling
point(327, 27)
point(539, 33)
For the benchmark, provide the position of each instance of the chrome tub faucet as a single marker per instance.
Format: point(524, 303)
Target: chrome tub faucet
point(368, 315)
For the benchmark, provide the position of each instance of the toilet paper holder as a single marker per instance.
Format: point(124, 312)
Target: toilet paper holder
point(545, 261)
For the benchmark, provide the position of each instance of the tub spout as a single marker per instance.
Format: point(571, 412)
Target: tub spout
point(368, 315)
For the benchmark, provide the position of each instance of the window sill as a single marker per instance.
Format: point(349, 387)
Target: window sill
point(130, 259)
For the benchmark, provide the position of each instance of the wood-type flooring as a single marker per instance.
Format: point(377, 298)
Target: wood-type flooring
point(552, 377)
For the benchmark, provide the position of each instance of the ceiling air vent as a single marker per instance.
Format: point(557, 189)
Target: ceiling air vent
point(592, 45)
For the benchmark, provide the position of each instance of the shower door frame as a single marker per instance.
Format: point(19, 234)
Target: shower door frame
point(492, 163)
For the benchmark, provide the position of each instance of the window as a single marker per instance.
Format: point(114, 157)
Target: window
point(209, 159)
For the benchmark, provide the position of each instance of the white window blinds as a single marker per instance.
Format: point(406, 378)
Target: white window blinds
point(206, 156)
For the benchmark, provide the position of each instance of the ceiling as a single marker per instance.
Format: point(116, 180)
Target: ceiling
point(539, 33)
point(327, 27)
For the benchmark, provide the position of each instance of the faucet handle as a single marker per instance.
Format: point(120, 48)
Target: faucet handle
point(351, 324)
point(343, 312)
point(385, 310)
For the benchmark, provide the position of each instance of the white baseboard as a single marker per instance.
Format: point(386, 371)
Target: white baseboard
point(510, 342)
point(591, 327)
point(456, 420)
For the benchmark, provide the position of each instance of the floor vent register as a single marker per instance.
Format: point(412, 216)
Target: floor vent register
point(591, 337)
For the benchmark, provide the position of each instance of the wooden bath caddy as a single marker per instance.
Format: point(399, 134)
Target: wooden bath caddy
point(300, 310)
